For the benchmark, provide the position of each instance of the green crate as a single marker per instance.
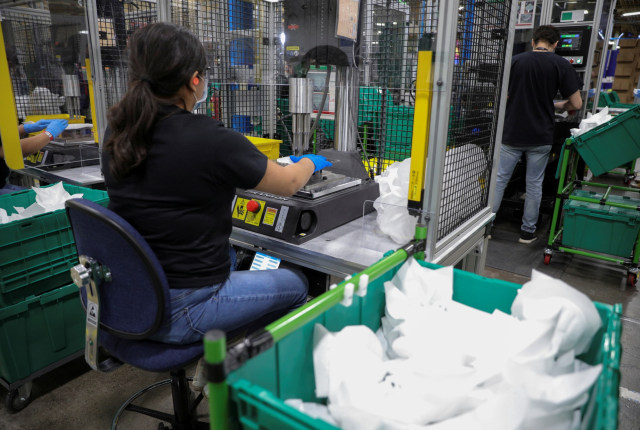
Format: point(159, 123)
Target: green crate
point(601, 228)
point(285, 371)
point(36, 253)
point(39, 332)
point(611, 144)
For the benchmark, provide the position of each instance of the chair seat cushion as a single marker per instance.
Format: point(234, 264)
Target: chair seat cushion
point(150, 355)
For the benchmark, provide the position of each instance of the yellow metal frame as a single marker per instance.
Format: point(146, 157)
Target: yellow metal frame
point(8, 116)
point(421, 123)
point(92, 100)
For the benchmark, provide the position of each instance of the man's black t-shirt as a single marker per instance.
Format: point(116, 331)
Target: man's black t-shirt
point(180, 198)
point(535, 79)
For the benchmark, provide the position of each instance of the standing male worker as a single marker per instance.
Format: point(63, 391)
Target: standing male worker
point(536, 77)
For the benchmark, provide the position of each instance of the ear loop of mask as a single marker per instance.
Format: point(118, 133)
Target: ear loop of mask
point(196, 81)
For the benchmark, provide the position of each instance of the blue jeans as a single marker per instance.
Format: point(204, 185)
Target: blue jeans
point(247, 300)
point(10, 188)
point(537, 157)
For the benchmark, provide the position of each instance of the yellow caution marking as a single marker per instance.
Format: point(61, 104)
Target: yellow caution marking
point(270, 216)
point(421, 123)
point(254, 218)
point(8, 117)
point(240, 209)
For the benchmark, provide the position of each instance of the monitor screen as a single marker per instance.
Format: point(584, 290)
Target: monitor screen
point(570, 40)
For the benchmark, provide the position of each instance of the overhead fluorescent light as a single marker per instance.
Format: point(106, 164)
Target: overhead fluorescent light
point(631, 13)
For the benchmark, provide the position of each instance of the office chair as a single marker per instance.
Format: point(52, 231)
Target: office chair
point(125, 293)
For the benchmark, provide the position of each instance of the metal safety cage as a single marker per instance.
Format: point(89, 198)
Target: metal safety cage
point(244, 55)
point(110, 24)
point(472, 48)
point(478, 66)
point(392, 34)
point(46, 48)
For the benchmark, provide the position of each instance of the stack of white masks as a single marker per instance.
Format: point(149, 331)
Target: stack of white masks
point(48, 199)
point(591, 121)
point(438, 364)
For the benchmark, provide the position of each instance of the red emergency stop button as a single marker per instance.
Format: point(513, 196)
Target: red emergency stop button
point(253, 206)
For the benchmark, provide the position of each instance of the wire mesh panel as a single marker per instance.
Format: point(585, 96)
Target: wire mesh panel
point(244, 57)
point(46, 51)
point(117, 19)
point(392, 33)
point(477, 83)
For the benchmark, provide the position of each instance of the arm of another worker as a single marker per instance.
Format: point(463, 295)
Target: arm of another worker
point(573, 103)
point(286, 180)
point(33, 144)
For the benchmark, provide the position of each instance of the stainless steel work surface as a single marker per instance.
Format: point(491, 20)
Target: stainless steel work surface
point(340, 252)
point(82, 176)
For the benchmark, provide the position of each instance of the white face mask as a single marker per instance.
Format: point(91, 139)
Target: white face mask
point(203, 97)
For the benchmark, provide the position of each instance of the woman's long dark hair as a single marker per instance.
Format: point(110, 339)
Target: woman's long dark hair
point(162, 58)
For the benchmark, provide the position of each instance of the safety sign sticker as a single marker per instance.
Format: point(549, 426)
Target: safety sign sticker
point(284, 210)
point(270, 216)
point(254, 218)
point(264, 262)
point(240, 209)
point(92, 313)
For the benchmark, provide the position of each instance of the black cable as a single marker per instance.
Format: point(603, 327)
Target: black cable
point(324, 99)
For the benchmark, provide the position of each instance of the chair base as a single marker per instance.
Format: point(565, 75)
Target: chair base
point(184, 407)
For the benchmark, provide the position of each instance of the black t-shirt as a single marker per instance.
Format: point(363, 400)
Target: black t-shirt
point(180, 198)
point(4, 170)
point(535, 79)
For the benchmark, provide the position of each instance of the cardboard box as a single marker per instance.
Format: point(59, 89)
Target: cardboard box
point(622, 84)
point(628, 43)
point(626, 96)
point(625, 69)
point(626, 56)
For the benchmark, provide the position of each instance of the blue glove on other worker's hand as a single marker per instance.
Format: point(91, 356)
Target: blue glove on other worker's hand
point(57, 126)
point(318, 160)
point(36, 126)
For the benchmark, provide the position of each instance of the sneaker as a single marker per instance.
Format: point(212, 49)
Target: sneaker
point(526, 237)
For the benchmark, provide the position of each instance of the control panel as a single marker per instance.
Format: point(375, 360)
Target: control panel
point(574, 44)
point(576, 61)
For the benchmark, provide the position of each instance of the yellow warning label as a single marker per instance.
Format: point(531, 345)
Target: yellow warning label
point(35, 158)
point(293, 48)
point(254, 218)
point(270, 216)
point(240, 209)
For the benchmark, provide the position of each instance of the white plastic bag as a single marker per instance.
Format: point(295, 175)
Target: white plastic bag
point(393, 218)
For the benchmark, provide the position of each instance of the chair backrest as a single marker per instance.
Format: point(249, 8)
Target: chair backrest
point(133, 302)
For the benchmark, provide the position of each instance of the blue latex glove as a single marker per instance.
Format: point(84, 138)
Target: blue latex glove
point(318, 161)
point(36, 126)
point(57, 126)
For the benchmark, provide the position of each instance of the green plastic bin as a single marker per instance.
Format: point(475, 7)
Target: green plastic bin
point(258, 388)
point(40, 331)
point(611, 144)
point(601, 228)
point(36, 253)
